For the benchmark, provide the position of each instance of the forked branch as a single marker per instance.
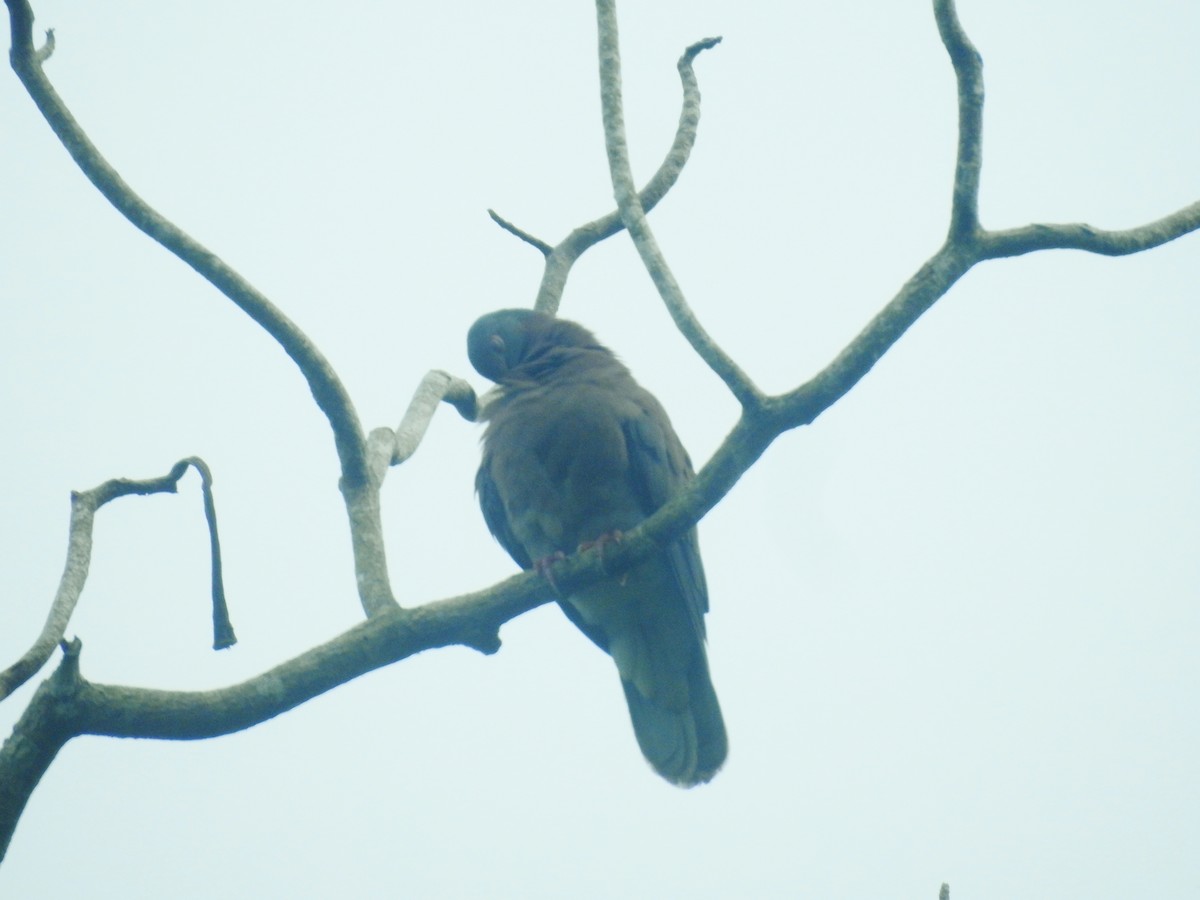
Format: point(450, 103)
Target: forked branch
point(633, 215)
point(967, 243)
point(560, 258)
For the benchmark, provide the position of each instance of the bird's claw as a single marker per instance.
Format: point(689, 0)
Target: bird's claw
point(543, 568)
point(612, 537)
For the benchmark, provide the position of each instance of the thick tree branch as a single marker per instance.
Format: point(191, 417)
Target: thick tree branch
point(79, 556)
point(67, 706)
point(43, 730)
point(326, 388)
point(931, 282)
point(802, 405)
point(634, 216)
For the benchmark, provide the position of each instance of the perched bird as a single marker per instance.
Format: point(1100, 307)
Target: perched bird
point(576, 452)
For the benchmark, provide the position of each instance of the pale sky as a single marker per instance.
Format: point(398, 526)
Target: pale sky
point(954, 623)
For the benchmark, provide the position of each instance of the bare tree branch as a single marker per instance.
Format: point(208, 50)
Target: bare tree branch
point(1019, 241)
point(634, 216)
point(41, 732)
point(79, 556)
point(802, 405)
point(326, 388)
point(586, 236)
point(361, 497)
point(435, 388)
point(967, 243)
point(544, 248)
point(968, 72)
point(561, 258)
point(67, 705)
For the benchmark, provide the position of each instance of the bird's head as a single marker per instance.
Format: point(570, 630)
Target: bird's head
point(519, 342)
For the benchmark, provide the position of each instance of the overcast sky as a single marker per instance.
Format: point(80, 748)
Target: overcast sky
point(954, 623)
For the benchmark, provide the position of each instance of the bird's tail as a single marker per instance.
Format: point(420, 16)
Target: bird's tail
point(678, 722)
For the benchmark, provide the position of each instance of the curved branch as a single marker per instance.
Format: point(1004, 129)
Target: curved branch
point(326, 388)
point(968, 72)
point(385, 448)
point(558, 265)
point(561, 258)
point(390, 448)
point(634, 216)
point(1078, 236)
point(79, 556)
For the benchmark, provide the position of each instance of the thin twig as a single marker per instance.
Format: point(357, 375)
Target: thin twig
point(528, 238)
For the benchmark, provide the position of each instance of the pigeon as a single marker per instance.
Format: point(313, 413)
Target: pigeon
point(575, 453)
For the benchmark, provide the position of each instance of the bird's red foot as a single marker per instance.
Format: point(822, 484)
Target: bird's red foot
point(543, 568)
point(613, 537)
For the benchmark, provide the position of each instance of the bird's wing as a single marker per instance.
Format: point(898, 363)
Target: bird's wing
point(495, 515)
point(659, 469)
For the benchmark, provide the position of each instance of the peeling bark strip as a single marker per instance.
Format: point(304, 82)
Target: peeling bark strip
point(79, 556)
